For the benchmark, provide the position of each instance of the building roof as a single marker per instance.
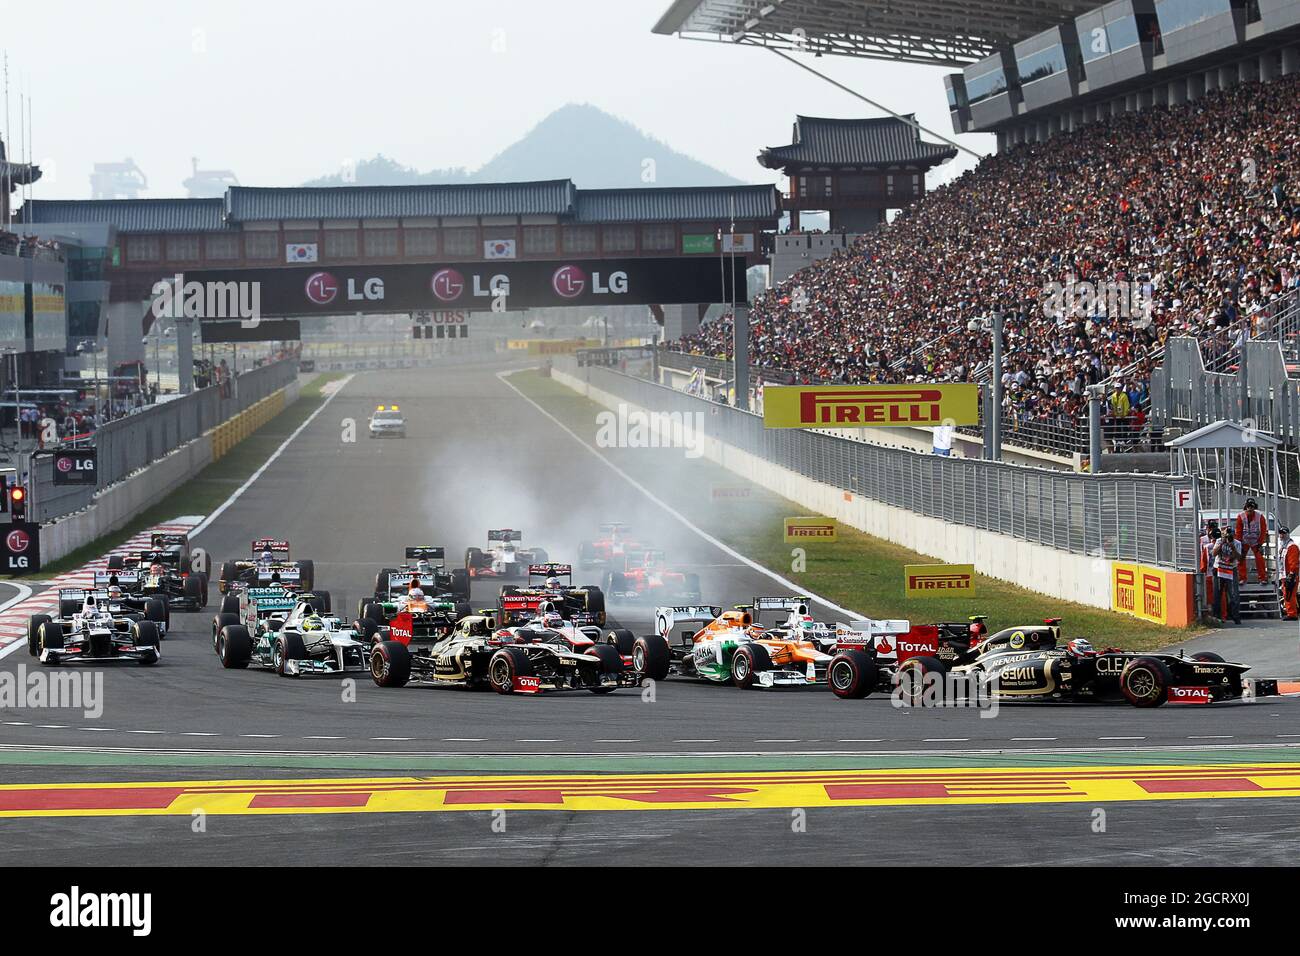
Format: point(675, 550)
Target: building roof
point(549, 198)
point(682, 204)
point(884, 141)
point(559, 198)
point(946, 32)
point(130, 215)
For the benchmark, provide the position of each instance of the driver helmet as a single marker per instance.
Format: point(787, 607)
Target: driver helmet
point(552, 619)
point(115, 593)
point(807, 623)
point(552, 582)
point(1081, 647)
point(422, 566)
point(267, 557)
point(156, 568)
point(313, 623)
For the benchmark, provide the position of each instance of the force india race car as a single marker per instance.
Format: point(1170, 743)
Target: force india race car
point(645, 576)
point(268, 565)
point(607, 549)
point(302, 641)
point(545, 654)
point(544, 584)
point(91, 628)
point(732, 647)
point(1025, 664)
point(502, 558)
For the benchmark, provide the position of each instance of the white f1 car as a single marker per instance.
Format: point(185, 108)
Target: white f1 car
point(303, 641)
point(91, 628)
point(502, 558)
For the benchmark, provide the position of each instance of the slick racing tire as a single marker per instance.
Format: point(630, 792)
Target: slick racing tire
point(913, 677)
point(381, 583)
point(1145, 681)
point(366, 630)
point(596, 605)
point(34, 633)
point(68, 607)
point(220, 621)
point(116, 562)
point(288, 647)
point(145, 635)
point(650, 657)
point(195, 589)
point(307, 575)
point(50, 636)
point(747, 663)
point(464, 609)
point(460, 583)
point(390, 664)
point(229, 573)
point(375, 613)
point(621, 640)
point(611, 662)
point(155, 609)
point(230, 604)
point(234, 646)
point(691, 585)
point(473, 559)
point(507, 664)
point(320, 600)
point(852, 675)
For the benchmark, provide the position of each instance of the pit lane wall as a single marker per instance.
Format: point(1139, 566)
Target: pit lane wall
point(1082, 578)
point(115, 506)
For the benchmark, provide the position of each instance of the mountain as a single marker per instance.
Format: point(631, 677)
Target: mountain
point(577, 141)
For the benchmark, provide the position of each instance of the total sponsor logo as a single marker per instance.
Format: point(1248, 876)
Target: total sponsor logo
point(527, 685)
point(402, 629)
point(1190, 695)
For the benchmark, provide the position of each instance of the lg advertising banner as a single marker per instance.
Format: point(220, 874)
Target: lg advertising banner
point(75, 467)
point(869, 406)
point(22, 548)
point(477, 286)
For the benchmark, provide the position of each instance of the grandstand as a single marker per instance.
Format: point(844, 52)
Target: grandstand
point(1180, 193)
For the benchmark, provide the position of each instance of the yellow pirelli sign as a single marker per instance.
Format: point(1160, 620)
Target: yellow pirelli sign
point(809, 528)
point(869, 406)
point(938, 580)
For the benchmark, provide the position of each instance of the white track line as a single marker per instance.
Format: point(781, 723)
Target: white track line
point(24, 592)
point(724, 548)
point(203, 525)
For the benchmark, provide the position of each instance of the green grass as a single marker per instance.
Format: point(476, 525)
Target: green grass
point(857, 571)
point(210, 487)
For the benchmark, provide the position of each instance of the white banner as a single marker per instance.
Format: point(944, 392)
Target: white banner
point(738, 243)
point(300, 252)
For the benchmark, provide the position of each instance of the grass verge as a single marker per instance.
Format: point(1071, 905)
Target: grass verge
point(857, 571)
point(210, 487)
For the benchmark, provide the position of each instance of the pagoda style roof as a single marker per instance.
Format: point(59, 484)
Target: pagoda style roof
point(882, 143)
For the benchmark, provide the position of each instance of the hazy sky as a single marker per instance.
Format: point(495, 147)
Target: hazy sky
point(283, 92)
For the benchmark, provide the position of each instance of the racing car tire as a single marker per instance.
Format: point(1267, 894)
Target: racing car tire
point(611, 662)
point(691, 584)
point(116, 562)
point(145, 634)
point(390, 664)
point(375, 612)
point(230, 604)
point(307, 574)
point(320, 600)
point(288, 647)
point(155, 609)
point(234, 646)
point(50, 636)
point(505, 665)
point(912, 672)
point(34, 633)
point(67, 608)
point(218, 622)
point(596, 605)
point(229, 572)
point(463, 609)
point(746, 664)
point(586, 554)
point(473, 559)
point(367, 629)
point(540, 556)
point(381, 583)
point(1145, 681)
point(852, 675)
point(195, 589)
point(650, 657)
point(460, 583)
point(621, 640)
point(1208, 657)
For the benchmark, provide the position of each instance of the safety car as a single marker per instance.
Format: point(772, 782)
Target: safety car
point(387, 421)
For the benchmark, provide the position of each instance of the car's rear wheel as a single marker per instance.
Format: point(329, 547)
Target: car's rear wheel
point(390, 664)
point(234, 646)
point(68, 607)
point(621, 640)
point(596, 605)
point(220, 621)
point(460, 583)
point(366, 629)
point(116, 562)
point(1145, 682)
point(194, 589)
point(852, 675)
point(229, 574)
point(230, 604)
point(505, 666)
point(650, 657)
point(473, 558)
point(307, 574)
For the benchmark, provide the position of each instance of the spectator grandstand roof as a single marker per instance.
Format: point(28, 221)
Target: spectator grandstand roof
point(946, 32)
point(883, 141)
point(559, 198)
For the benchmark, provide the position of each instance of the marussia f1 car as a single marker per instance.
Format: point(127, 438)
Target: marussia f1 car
point(1024, 663)
point(731, 647)
point(269, 565)
point(293, 642)
point(502, 558)
point(644, 575)
point(425, 568)
point(585, 604)
point(542, 655)
point(91, 628)
point(607, 549)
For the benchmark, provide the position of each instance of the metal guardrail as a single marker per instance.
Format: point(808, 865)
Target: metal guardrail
point(1123, 517)
point(131, 443)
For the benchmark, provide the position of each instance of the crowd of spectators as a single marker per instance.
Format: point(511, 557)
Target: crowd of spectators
point(1191, 205)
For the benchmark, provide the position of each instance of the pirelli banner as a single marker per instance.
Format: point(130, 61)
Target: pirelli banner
point(870, 406)
point(1153, 594)
point(938, 580)
point(809, 528)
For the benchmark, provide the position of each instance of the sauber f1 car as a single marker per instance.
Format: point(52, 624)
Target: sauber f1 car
point(607, 549)
point(148, 577)
point(294, 643)
point(480, 652)
point(732, 647)
point(502, 558)
point(644, 575)
point(92, 628)
point(269, 565)
point(545, 583)
point(1027, 663)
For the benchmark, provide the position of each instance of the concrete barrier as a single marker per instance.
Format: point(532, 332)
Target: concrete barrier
point(1071, 577)
point(115, 506)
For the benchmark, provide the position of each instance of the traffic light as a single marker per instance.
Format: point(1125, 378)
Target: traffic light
point(17, 503)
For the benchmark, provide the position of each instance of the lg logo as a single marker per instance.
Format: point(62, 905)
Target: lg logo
point(322, 288)
point(447, 284)
point(18, 541)
point(569, 282)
